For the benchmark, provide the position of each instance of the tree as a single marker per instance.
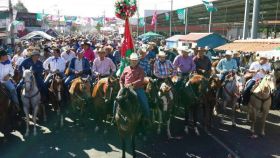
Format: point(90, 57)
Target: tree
point(20, 7)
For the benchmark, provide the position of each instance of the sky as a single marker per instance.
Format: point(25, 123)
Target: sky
point(95, 8)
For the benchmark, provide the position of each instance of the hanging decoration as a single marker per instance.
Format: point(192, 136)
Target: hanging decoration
point(125, 8)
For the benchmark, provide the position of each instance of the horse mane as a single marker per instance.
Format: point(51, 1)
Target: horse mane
point(99, 84)
point(74, 85)
point(196, 79)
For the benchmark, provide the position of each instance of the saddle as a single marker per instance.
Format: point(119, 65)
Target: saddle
point(101, 83)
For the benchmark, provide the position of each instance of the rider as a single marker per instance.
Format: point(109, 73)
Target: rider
point(88, 53)
point(144, 63)
point(184, 63)
point(203, 63)
point(259, 69)
point(78, 66)
point(37, 68)
point(54, 64)
point(225, 66)
point(102, 65)
point(163, 69)
point(7, 71)
point(68, 54)
point(133, 76)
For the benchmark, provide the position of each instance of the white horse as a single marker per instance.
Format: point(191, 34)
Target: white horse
point(260, 102)
point(30, 97)
point(232, 89)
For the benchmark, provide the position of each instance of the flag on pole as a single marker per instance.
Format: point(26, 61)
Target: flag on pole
point(154, 20)
point(167, 17)
point(209, 6)
point(126, 49)
point(141, 22)
point(181, 15)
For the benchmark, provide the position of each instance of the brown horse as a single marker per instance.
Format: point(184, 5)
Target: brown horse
point(56, 90)
point(104, 92)
point(214, 84)
point(128, 115)
point(80, 93)
point(4, 109)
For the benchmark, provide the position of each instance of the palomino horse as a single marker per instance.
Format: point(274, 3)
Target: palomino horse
point(232, 90)
point(128, 115)
point(56, 90)
point(260, 101)
point(194, 95)
point(166, 98)
point(104, 93)
point(214, 85)
point(30, 97)
point(80, 93)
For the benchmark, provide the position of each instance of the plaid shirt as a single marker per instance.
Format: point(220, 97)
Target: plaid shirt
point(145, 65)
point(163, 69)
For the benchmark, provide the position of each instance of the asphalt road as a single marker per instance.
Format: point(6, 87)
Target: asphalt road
point(79, 141)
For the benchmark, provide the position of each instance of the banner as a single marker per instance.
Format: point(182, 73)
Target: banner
point(209, 6)
point(167, 17)
point(181, 14)
point(141, 22)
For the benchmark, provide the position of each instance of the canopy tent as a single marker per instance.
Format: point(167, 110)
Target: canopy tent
point(37, 34)
point(253, 45)
point(149, 34)
point(270, 54)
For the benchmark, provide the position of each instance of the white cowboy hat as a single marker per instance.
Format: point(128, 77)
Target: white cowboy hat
point(35, 52)
point(263, 55)
point(161, 54)
point(134, 56)
point(228, 52)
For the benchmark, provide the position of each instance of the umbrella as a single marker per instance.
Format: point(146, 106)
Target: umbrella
point(149, 34)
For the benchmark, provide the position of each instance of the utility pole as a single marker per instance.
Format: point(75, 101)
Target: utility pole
point(170, 18)
point(11, 24)
point(210, 21)
point(137, 3)
point(186, 20)
point(255, 19)
point(246, 17)
point(156, 19)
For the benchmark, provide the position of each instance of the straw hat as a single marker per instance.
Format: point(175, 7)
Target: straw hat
point(229, 53)
point(161, 54)
point(134, 56)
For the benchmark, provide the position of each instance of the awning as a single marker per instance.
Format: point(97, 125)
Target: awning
point(251, 45)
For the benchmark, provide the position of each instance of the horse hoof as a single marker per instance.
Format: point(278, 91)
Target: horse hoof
point(35, 134)
point(96, 129)
point(233, 125)
point(158, 131)
point(26, 134)
point(169, 136)
point(186, 130)
point(196, 131)
point(262, 134)
point(254, 136)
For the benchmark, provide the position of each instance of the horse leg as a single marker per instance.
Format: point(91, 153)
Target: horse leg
point(133, 146)
point(35, 112)
point(44, 112)
point(168, 129)
point(253, 119)
point(233, 114)
point(159, 121)
point(186, 120)
point(263, 118)
point(223, 109)
point(123, 147)
point(195, 110)
point(26, 111)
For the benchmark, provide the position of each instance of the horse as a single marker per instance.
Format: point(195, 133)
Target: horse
point(166, 98)
point(80, 93)
point(151, 90)
point(30, 97)
point(193, 95)
point(56, 90)
point(232, 90)
point(214, 85)
point(128, 115)
point(103, 94)
point(260, 101)
point(4, 109)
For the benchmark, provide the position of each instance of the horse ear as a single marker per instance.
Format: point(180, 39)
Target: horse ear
point(31, 69)
point(23, 69)
point(272, 72)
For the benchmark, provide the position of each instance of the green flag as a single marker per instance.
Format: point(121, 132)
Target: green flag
point(209, 6)
point(181, 14)
point(167, 17)
point(39, 16)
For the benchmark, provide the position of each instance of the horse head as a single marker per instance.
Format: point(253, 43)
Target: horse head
point(84, 85)
point(112, 87)
point(28, 79)
point(214, 82)
point(269, 82)
point(57, 86)
point(128, 96)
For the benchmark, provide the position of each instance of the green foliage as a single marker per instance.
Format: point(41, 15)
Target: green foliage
point(20, 7)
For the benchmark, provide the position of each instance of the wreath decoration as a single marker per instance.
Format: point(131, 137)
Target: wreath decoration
point(125, 8)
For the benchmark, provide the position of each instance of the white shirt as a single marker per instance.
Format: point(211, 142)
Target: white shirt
point(103, 67)
point(68, 57)
point(25, 53)
point(257, 66)
point(79, 65)
point(55, 64)
point(19, 61)
point(5, 70)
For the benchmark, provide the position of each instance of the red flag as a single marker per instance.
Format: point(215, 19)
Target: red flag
point(154, 20)
point(127, 44)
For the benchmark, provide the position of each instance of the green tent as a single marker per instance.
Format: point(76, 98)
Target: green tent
point(149, 34)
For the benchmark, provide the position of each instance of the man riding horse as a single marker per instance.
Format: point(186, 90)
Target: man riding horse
point(54, 65)
point(79, 66)
point(103, 66)
point(224, 67)
point(259, 68)
point(133, 76)
point(203, 63)
point(6, 72)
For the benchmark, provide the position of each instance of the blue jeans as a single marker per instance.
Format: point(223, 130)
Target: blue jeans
point(143, 102)
point(68, 80)
point(12, 90)
point(247, 91)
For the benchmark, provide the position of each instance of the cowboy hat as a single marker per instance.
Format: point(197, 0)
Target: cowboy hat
point(35, 52)
point(229, 53)
point(184, 49)
point(161, 54)
point(134, 56)
point(3, 53)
